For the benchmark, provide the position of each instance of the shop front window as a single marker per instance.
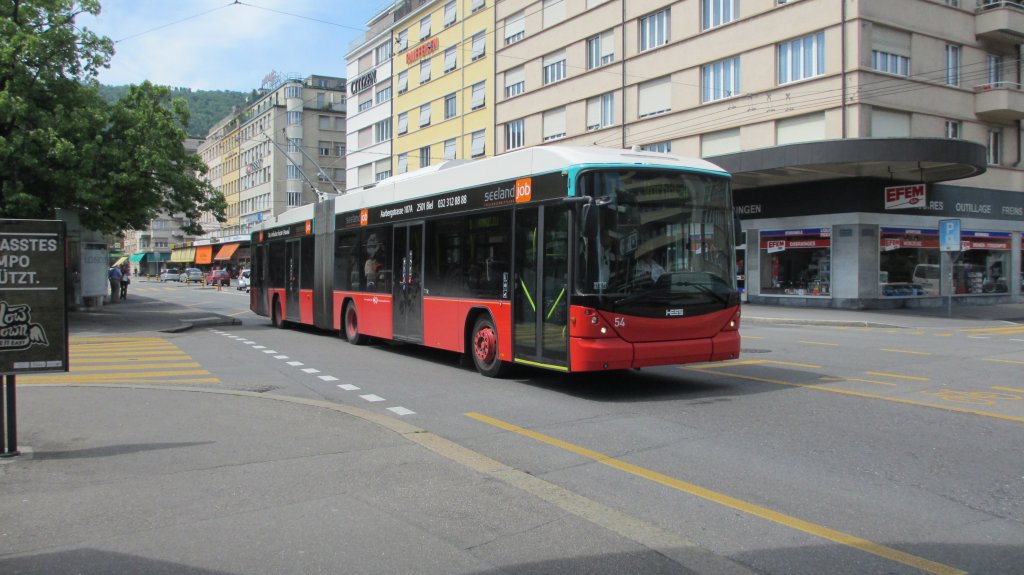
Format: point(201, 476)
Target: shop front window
point(796, 262)
point(982, 265)
point(908, 262)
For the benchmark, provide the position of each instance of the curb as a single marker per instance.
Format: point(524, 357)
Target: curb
point(190, 323)
point(825, 322)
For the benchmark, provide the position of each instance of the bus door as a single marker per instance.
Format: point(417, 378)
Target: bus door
point(540, 313)
point(407, 303)
point(258, 279)
point(293, 263)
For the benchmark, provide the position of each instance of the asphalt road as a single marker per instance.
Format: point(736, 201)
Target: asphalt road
point(822, 450)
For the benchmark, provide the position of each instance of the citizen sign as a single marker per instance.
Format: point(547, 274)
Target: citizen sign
point(363, 82)
point(900, 197)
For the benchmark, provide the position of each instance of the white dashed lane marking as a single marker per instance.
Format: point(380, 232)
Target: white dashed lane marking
point(311, 370)
point(328, 377)
point(372, 398)
point(295, 363)
point(348, 387)
point(401, 411)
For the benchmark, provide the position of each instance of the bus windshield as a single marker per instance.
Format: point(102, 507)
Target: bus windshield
point(656, 243)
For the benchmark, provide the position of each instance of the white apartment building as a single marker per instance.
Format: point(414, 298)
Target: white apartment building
point(851, 127)
point(370, 94)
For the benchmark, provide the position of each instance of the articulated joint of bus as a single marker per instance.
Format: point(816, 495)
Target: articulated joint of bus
point(601, 340)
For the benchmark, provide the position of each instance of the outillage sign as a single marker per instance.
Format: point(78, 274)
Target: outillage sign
point(33, 313)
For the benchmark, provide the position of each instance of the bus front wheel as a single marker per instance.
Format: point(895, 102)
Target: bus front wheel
point(351, 326)
point(484, 349)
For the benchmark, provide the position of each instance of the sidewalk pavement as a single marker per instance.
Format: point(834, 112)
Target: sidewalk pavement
point(202, 481)
point(940, 316)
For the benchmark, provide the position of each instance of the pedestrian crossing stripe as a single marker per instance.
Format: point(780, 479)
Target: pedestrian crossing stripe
point(125, 360)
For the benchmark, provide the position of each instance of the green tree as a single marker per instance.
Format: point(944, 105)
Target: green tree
point(62, 146)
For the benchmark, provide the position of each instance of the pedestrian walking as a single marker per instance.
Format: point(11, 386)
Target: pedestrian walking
point(114, 275)
point(125, 280)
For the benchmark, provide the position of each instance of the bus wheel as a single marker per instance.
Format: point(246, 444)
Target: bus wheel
point(484, 349)
point(351, 326)
point(275, 315)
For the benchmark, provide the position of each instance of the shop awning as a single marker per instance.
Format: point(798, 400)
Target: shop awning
point(183, 255)
point(226, 251)
point(136, 258)
point(204, 255)
point(158, 256)
point(120, 261)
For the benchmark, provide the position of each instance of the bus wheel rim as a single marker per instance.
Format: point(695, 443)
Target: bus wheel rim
point(484, 344)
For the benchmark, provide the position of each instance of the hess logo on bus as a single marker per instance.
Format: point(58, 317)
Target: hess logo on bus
point(524, 190)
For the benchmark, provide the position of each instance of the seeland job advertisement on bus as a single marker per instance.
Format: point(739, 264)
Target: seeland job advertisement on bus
point(33, 313)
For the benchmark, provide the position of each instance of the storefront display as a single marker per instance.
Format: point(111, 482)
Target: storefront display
point(796, 262)
point(908, 262)
point(982, 265)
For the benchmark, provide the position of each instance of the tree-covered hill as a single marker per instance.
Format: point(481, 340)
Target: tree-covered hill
point(207, 107)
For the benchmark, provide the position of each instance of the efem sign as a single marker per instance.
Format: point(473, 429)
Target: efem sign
point(901, 197)
point(33, 314)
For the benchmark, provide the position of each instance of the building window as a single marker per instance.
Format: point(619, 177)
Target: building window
point(994, 66)
point(339, 149)
point(655, 97)
point(424, 156)
point(325, 148)
point(449, 14)
point(515, 27)
point(476, 5)
point(403, 163)
point(477, 147)
point(515, 83)
point(890, 63)
point(403, 123)
point(554, 124)
point(995, 147)
point(363, 106)
point(383, 174)
point(554, 12)
point(953, 129)
point(514, 134)
point(403, 81)
point(382, 131)
point(479, 89)
point(424, 71)
point(294, 199)
point(293, 172)
point(663, 147)
point(293, 92)
point(403, 40)
point(425, 115)
point(449, 59)
point(796, 262)
point(721, 80)
point(383, 94)
point(600, 50)
point(718, 12)
point(952, 65)
point(554, 67)
point(425, 27)
point(478, 44)
point(802, 58)
point(449, 149)
point(294, 118)
point(449, 106)
point(293, 145)
point(654, 30)
point(601, 111)
point(382, 53)
point(908, 262)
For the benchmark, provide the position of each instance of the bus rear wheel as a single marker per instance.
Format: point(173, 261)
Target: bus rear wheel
point(484, 349)
point(275, 315)
point(350, 324)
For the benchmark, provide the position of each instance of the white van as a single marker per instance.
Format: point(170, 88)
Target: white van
point(928, 277)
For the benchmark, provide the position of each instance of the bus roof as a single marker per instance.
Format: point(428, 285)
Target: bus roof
point(458, 174)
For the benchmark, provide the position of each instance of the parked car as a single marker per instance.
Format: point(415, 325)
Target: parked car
point(170, 275)
point(191, 275)
point(243, 280)
point(218, 277)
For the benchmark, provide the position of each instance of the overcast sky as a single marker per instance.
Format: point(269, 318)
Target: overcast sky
point(224, 45)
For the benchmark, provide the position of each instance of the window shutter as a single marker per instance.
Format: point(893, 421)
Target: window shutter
point(365, 174)
point(478, 143)
point(449, 59)
point(554, 12)
point(403, 81)
point(403, 163)
point(554, 123)
point(554, 57)
point(716, 143)
point(808, 128)
point(888, 124)
point(478, 45)
point(514, 76)
point(607, 44)
point(403, 123)
point(891, 41)
point(478, 95)
point(593, 113)
point(515, 24)
point(424, 115)
point(655, 96)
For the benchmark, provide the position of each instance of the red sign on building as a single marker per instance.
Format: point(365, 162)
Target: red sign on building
point(423, 50)
point(900, 197)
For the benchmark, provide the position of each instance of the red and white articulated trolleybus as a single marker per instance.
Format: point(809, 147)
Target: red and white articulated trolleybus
point(566, 258)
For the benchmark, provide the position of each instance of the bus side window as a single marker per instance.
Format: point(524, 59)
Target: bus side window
point(347, 264)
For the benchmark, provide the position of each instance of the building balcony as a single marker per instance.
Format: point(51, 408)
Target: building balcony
point(1000, 102)
point(1000, 21)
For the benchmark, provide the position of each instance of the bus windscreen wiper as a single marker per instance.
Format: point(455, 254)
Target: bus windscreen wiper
point(705, 289)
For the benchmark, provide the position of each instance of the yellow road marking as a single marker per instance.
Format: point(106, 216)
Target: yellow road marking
point(1003, 360)
point(906, 351)
point(999, 329)
point(942, 334)
point(871, 381)
point(169, 351)
point(99, 377)
point(753, 362)
point(897, 376)
point(90, 339)
point(181, 356)
point(731, 502)
point(240, 312)
point(819, 343)
point(1008, 389)
point(752, 337)
point(135, 366)
point(870, 396)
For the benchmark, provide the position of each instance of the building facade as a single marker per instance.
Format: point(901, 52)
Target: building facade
point(852, 128)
